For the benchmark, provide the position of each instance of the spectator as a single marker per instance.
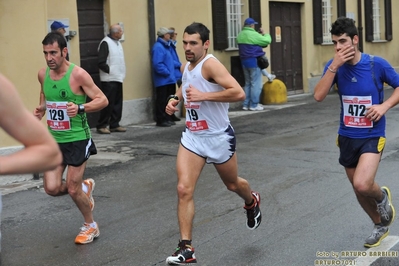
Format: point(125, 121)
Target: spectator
point(163, 75)
point(177, 64)
point(250, 44)
point(58, 26)
point(111, 63)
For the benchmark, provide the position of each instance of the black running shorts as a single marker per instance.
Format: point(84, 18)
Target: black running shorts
point(77, 152)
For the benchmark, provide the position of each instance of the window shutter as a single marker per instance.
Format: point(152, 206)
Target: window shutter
point(341, 6)
point(388, 20)
point(368, 19)
point(219, 23)
point(317, 22)
point(255, 12)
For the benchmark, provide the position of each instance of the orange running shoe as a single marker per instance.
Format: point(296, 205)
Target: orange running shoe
point(90, 188)
point(87, 234)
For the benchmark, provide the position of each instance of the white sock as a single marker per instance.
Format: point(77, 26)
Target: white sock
point(84, 188)
point(93, 225)
point(265, 73)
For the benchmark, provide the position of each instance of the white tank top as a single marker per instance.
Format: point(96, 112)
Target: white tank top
point(204, 118)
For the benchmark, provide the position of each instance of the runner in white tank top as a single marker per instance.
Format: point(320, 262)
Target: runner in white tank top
point(208, 137)
point(206, 117)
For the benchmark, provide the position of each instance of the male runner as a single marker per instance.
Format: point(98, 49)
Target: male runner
point(207, 88)
point(361, 136)
point(64, 87)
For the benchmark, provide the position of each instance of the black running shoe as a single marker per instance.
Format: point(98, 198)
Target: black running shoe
point(184, 255)
point(254, 216)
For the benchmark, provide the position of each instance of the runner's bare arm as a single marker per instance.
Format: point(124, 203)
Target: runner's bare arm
point(375, 112)
point(98, 99)
point(41, 109)
point(40, 152)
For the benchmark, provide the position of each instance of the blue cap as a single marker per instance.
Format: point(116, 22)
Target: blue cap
point(57, 25)
point(250, 21)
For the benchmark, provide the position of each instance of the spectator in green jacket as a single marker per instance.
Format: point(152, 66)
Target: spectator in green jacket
point(250, 45)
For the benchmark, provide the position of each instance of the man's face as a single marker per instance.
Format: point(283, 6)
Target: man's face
point(193, 47)
point(118, 35)
point(344, 41)
point(53, 55)
point(61, 30)
point(166, 36)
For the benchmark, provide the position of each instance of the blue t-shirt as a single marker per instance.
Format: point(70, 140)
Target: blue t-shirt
point(357, 90)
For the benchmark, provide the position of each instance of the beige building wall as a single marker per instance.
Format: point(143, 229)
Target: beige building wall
point(21, 34)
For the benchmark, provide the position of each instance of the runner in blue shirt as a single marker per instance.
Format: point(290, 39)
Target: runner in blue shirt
point(361, 136)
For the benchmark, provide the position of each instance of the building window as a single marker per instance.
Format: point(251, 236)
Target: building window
point(228, 19)
point(324, 13)
point(234, 22)
point(326, 18)
point(378, 20)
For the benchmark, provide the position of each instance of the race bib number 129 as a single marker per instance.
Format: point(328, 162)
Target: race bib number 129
point(57, 118)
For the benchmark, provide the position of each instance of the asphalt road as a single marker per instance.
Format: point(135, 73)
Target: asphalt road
point(288, 154)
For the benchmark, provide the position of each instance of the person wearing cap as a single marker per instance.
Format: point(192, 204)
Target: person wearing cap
point(250, 47)
point(111, 63)
point(163, 73)
point(58, 26)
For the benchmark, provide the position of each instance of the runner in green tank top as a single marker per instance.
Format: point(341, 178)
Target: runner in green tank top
point(64, 87)
point(58, 94)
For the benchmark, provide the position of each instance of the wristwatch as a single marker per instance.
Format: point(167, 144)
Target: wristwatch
point(172, 97)
point(81, 109)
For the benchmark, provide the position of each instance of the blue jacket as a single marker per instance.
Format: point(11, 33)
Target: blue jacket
point(163, 68)
point(176, 60)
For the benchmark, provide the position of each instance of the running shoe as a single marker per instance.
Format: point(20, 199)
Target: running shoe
point(259, 107)
point(378, 234)
point(184, 255)
point(254, 216)
point(385, 208)
point(271, 77)
point(87, 234)
point(90, 188)
point(245, 108)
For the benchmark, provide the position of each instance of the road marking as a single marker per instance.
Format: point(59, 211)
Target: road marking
point(386, 245)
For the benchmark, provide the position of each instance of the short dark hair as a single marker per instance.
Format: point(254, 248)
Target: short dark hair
point(53, 37)
point(344, 25)
point(199, 28)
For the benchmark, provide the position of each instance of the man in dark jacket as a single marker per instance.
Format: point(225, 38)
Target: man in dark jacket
point(163, 75)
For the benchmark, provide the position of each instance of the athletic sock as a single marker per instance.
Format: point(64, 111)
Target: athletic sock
point(84, 188)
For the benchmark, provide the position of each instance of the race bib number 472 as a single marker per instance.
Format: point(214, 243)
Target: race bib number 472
point(354, 110)
point(57, 118)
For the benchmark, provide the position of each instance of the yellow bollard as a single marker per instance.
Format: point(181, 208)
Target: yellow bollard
point(274, 92)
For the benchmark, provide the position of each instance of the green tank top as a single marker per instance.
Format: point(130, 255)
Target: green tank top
point(58, 93)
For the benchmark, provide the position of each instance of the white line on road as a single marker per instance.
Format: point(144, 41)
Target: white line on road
point(386, 245)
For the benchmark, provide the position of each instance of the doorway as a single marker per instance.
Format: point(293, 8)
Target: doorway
point(91, 32)
point(286, 46)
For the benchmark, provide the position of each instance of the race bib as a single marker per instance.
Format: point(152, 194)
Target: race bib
point(194, 121)
point(354, 110)
point(57, 118)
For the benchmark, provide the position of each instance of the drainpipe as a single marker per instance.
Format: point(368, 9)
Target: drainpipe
point(151, 38)
point(360, 24)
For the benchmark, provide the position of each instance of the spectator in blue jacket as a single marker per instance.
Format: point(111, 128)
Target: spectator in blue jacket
point(250, 47)
point(163, 76)
point(176, 61)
